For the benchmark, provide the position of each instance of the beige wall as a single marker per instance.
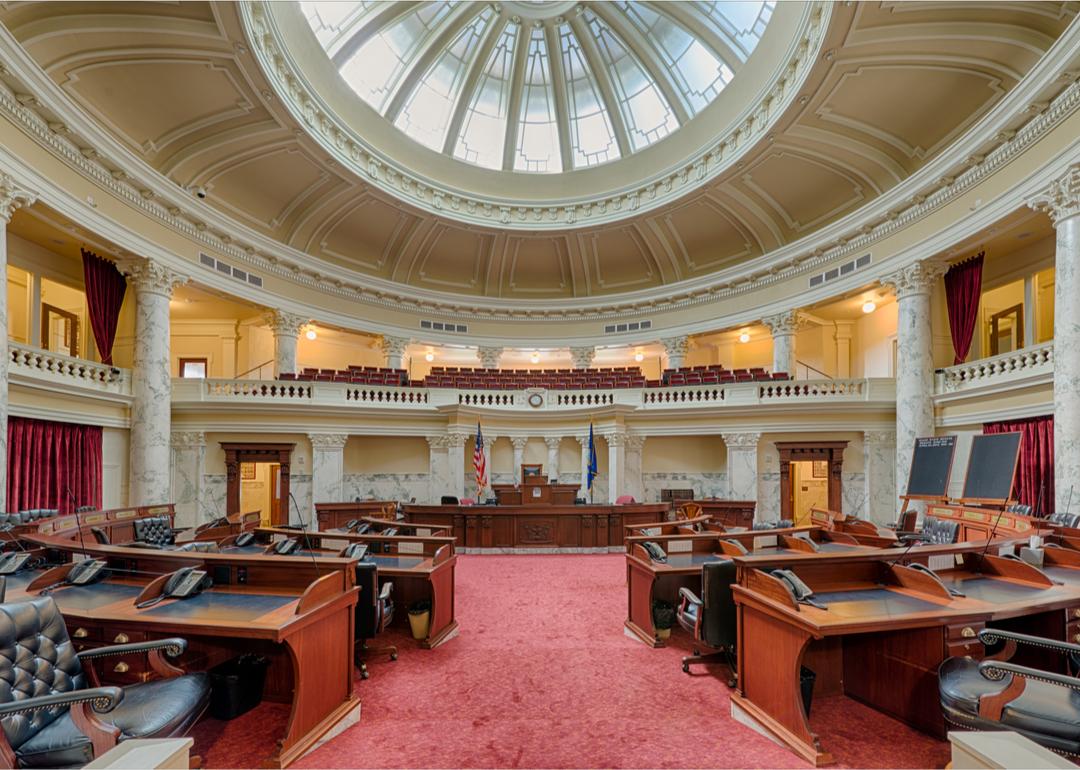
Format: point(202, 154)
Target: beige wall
point(387, 454)
point(683, 454)
point(114, 471)
point(18, 307)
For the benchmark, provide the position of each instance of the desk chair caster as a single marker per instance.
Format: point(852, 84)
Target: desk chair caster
point(365, 652)
point(723, 656)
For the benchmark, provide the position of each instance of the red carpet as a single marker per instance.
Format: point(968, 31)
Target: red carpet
point(541, 675)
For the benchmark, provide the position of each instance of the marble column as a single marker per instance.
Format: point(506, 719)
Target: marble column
point(455, 447)
point(439, 482)
point(394, 350)
point(552, 468)
point(914, 360)
point(742, 466)
point(328, 467)
point(582, 357)
point(489, 443)
point(633, 482)
point(519, 443)
point(616, 453)
point(489, 357)
point(843, 336)
point(783, 327)
point(188, 469)
point(286, 328)
point(1061, 200)
point(675, 350)
point(12, 198)
point(879, 473)
point(151, 380)
point(583, 440)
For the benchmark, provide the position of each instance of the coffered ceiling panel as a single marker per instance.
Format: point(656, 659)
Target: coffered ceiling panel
point(535, 267)
point(705, 236)
point(367, 235)
point(620, 260)
point(454, 259)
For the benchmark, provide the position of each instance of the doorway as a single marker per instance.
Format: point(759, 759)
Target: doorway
point(813, 464)
point(260, 490)
point(809, 489)
point(262, 470)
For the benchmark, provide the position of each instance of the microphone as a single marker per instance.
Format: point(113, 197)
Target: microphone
point(78, 521)
point(993, 531)
point(304, 529)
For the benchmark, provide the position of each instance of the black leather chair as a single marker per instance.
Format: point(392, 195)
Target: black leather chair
point(1070, 520)
point(448, 500)
point(940, 531)
point(154, 530)
point(994, 694)
point(43, 683)
point(712, 619)
point(374, 612)
point(100, 535)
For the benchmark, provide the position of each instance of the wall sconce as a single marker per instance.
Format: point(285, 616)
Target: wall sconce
point(744, 337)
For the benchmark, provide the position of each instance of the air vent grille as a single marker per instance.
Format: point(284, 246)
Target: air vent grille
point(629, 326)
point(444, 326)
point(226, 269)
point(837, 272)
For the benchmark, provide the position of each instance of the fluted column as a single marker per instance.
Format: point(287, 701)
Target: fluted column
point(583, 440)
point(489, 357)
point(742, 466)
point(1061, 200)
point(286, 328)
point(151, 380)
point(188, 469)
point(675, 350)
point(328, 467)
point(633, 483)
point(783, 327)
point(12, 198)
point(879, 474)
point(616, 453)
point(456, 460)
point(519, 443)
point(582, 357)
point(552, 468)
point(914, 359)
point(394, 350)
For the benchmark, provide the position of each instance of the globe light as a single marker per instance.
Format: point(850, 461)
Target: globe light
point(429, 356)
point(744, 337)
point(869, 306)
point(310, 334)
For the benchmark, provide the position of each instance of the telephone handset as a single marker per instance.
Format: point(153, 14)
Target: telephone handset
point(182, 584)
point(244, 538)
point(656, 553)
point(800, 591)
point(389, 532)
point(351, 523)
point(86, 572)
point(13, 561)
point(355, 551)
point(923, 568)
point(362, 528)
point(286, 546)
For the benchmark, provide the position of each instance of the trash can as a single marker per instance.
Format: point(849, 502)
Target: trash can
point(236, 686)
point(420, 618)
point(806, 685)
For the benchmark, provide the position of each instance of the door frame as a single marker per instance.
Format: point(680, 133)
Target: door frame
point(256, 452)
point(801, 451)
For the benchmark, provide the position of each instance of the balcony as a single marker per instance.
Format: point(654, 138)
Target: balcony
point(42, 369)
point(1008, 371)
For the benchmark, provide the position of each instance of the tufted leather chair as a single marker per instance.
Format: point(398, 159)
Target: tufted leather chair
point(712, 619)
point(1070, 520)
point(940, 531)
point(44, 693)
point(154, 530)
point(373, 613)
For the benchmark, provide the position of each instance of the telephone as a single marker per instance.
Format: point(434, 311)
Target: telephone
point(286, 546)
point(389, 532)
point(86, 572)
point(183, 584)
point(362, 528)
point(923, 568)
point(13, 561)
point(351, 523)
point(219, 522)
point(739, 546)
point(244, 538)
point(656, 553)
point(800, 591)
point(355, 551)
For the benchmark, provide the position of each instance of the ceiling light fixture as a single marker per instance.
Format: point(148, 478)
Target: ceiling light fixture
point(639, 356)
point(429, 356)
point(535, 357)
point(869, 306)
point(310, 333)
point(744, 337)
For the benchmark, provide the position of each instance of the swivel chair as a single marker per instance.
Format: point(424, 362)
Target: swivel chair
point(940, 531)
point(1069, 520)
point(49, 715)
point(712, 619)
point(374, 612)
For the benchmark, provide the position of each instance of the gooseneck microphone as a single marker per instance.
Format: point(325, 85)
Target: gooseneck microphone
point(304, 529)
point(78, 521)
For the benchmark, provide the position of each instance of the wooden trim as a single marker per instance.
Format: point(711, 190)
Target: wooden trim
point(256, 452)
point(103, 735)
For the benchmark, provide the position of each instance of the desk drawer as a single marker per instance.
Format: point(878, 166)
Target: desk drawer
point(1072, 631)
point(969, 649)
point(85, 634)
point(121, 635)
point(963, 632)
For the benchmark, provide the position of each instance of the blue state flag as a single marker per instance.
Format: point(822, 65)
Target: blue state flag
point(593, 470)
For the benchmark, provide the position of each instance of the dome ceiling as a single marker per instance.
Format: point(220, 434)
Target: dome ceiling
point(179, 85)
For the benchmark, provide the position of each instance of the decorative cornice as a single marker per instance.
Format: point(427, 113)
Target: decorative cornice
point(285, 324)
point(13, 197)
point(346, 144)
point(328, 441)
point(782, 323)
point(150, 276)
point(1061, 198)
point(582, 357)
point(188, 439)
point(489, 357)
point(741, 441)
point(915, 278)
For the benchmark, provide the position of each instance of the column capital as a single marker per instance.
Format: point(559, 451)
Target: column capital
point(635, 441)
point(187, 439)
point(456, 440)
point(741, 440)
point(150, 276)
point(916, 278)
point(675, 346)
point(393, 346)
point(489, 356)
point(786, 322)
point(325, 441)
point(553, 442)
point(13, 196)
point(844, 330)
point(285, 324)
point(582, 356)
point(616, 440)
point(440, 441)
point(519, 442)
point(879, 438)
point(1061, 198)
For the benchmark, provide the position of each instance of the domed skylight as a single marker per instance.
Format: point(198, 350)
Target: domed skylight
point(539, 86)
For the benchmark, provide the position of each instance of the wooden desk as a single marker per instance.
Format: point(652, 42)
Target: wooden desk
point(569, 526)
point(886, 629)
point(234, 524)
point(538, 493)
point(977, 523)
point(419, 567)
point(334, 515)
point(299, 613)
point(415, 528)
point(730, 513)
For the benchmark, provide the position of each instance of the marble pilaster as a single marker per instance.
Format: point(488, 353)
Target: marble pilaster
point(742, 466)
point(12, 197)
point(439, 481)
point(394, 350)
point(582, 357)
point(552, 469)
point(633, 482)
point(914, 359)
point(1061, 200)
point(783, 327)
point(286, 328)
point(328, 466)
point(879, 476)
point(489, 442)
point(188, 471)
point(519, 443)
point(489, 357)
point(675, 350)
point(583, 440)
point(455, 448)
point(616, 447)
point(843, 337)
point(151, 381)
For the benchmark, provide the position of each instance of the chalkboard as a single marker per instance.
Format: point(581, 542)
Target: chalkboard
point(931, 463)
point(991, 466)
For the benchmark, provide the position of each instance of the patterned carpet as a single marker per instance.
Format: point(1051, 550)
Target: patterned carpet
point(542, 675)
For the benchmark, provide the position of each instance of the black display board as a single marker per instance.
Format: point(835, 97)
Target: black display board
point(992, 467)
point(931, 465)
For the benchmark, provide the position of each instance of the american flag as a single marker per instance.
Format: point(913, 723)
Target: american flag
point(480, 463)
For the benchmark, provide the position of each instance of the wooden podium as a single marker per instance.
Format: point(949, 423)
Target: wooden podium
point(535, 489)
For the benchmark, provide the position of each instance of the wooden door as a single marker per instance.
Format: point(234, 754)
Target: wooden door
point(276, 507)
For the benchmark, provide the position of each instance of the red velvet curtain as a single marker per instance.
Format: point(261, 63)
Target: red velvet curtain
point(963, 285)
point(105, 287)
point(1035, 476)
point(47, 459)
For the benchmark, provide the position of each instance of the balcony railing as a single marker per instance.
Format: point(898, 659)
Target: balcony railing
point(1027, 365)
point(39, 366)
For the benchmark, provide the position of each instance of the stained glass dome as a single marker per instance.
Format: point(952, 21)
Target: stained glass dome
point(543, 86)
